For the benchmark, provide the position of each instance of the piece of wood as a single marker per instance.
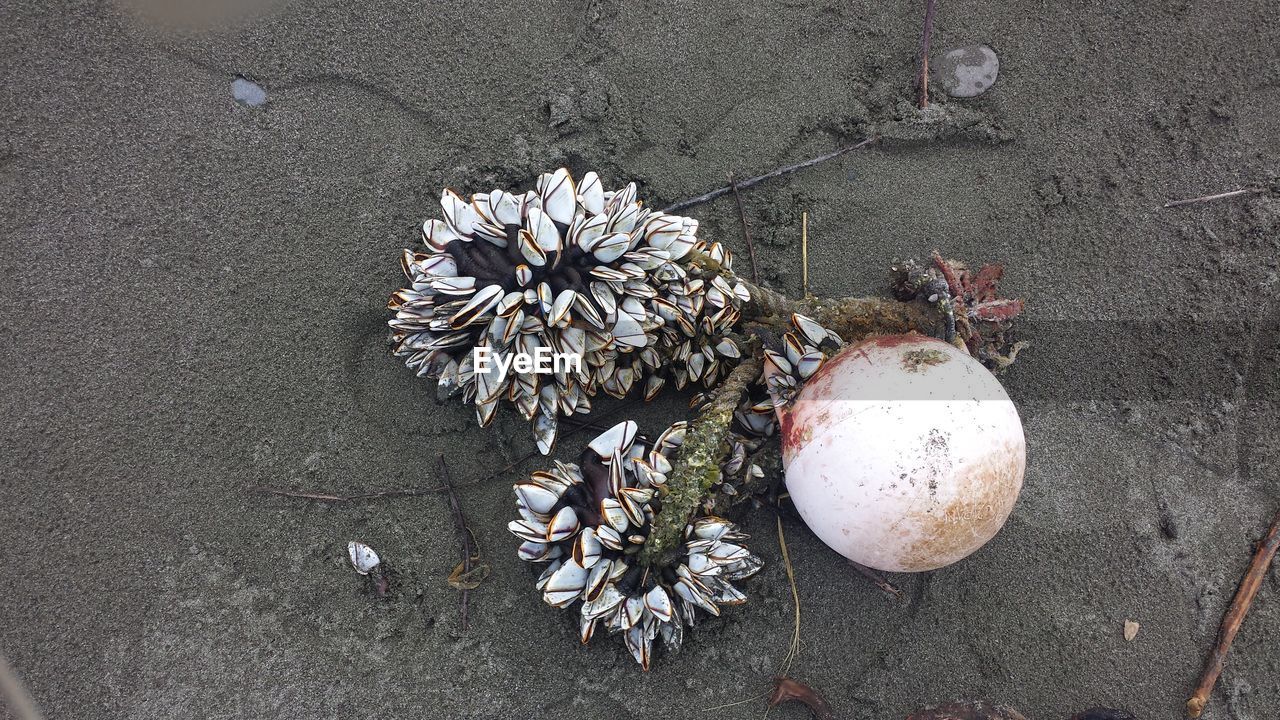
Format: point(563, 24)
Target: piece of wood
point(746, 231)
point(1235, 615)
point(885, 586)
point(926, 39)
point(696, 467)
point(786, 689)
point(464, 535)
point(785, 170)
point(1210, 198)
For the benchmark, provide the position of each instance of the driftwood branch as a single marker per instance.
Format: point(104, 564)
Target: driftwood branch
point(697, 467)
point(1249, 586)
point(852, 318)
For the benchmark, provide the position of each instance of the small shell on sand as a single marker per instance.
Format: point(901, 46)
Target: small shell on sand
point(363, 558)
point(967, 71)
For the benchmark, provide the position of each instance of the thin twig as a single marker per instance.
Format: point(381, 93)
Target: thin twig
point(1249, 586)
point(1211, 198)
point(761, 696)
point(804, 252)
point(793, 651)
point(460, 522)
point(787, 170)
point(746, 231)
point(889, 588)
point(926, 38)
point(578, 427)
point(328, 497)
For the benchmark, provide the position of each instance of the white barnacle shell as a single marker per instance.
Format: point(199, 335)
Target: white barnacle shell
point(589, 542)
point(363, 558)
point(568, 266)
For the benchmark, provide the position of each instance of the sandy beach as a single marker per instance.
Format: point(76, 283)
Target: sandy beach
point(194, 305)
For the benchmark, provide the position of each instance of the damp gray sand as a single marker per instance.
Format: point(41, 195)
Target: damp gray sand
point(193, 305)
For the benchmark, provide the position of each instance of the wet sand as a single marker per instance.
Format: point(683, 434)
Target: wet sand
point(193, 305)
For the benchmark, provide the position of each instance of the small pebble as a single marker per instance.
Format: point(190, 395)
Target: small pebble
point(248, 92)
point(967, 71)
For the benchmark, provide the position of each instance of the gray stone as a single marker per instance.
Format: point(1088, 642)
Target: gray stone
point(248, 92)
point(967, 71)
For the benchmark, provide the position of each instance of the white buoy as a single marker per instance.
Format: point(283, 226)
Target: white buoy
point(903, 453)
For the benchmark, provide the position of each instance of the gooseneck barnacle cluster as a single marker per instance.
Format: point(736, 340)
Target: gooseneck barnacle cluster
point(630, 535)
point(573, 268)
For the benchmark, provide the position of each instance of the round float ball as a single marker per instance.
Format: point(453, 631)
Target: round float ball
point(903, 453)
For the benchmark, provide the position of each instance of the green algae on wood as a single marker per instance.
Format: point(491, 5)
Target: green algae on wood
point(697, 469)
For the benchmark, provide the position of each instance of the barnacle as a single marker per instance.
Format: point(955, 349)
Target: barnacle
point(572, 268)
point(975, 314)
point(587, 521)
point(789, 361)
